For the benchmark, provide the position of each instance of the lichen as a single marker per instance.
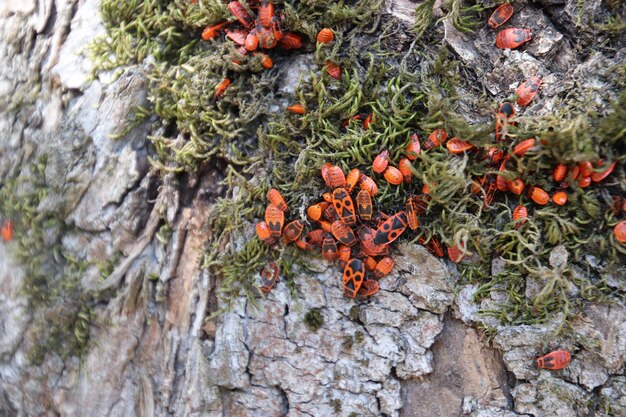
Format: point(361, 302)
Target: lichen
point(314, 320)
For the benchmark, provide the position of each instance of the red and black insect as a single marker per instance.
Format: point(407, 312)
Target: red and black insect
point(343, 233)
point(391, 229)
point(342, 202)
point(411, 214)
point(501, 15)
point(369, 288)
point(241, 14)
point(505, 113)
point(558, 359)
point(275, 218)
point(527, 91)
point(383, 267)
point(329, 248)
point(512, 38)
point(368, 247)
point(353, 276)
point(293, 230)
point(269, 277)
point(364, 205)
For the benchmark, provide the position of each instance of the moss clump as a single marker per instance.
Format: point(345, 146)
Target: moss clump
point(62, 311)
point(314, 319)
point(336, 404)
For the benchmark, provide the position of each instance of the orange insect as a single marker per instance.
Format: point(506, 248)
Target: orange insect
point(516, 186)
point(325, 36)
point(252, 41)
point(262, 230)
point(267, 37)
point(343, 233)
point(457, 146)
point(393, 175)
point(426, 189)
point(326, 226)
point(554, 360)
point(527, 91)
point(277, 32)
point(266, 61)
point(495, 155)
point(293, 230)
point(353, 276)
point(296, 108)
point(241, 14)
point(380, 162)
point(290, 41)
point(344, 253)
point(367, 123)
point(333, 70)
point(505, 113)
point(330, 214)
point(7, 230)
point(315, 211)
point(324, 171)
point(405, 167)
point(575, 172)
point(364, 205)
point(304, 245)
point(524, 146)
point(221, 87)
point(368, 185)
point(500, 15)
point(369, 288)
point(413, 148)
point(619, 231)
point(391, 229)
point(212, 31)
point(600, 175)
point(411, 214)
point(619, 204)
point(512, 38)
point(266, 12)
point(344, 206)
point(329, 248)
point(370, 263)
point(269, 277)
point(276, 198)
point(436, 138)
point(316, 236)
point(237, 36)
point(383, 267)
point(559, 198)
point(336, 178)
point(501, 184)
point(328, 198)
point(455, 254)
point(490, 191)
point(432, 244)
point(275, 218)
point(559, 172)
point(584, 182)
point(538, 195)
point(520, 214)
point(421, 203)
point(352, 179)
point(586, 169)
point(368, 247)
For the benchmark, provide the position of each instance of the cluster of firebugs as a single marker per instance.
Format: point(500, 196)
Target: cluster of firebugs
point(263, 31)
point(348, 229)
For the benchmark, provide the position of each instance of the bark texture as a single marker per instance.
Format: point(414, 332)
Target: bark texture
point(154, 352)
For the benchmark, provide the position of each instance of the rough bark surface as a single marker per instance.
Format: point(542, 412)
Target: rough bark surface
point(153, 351)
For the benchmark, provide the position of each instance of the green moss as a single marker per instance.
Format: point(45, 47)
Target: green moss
point(314, 319)
point(62, 311)
point(414, 92)
point(336, 404)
